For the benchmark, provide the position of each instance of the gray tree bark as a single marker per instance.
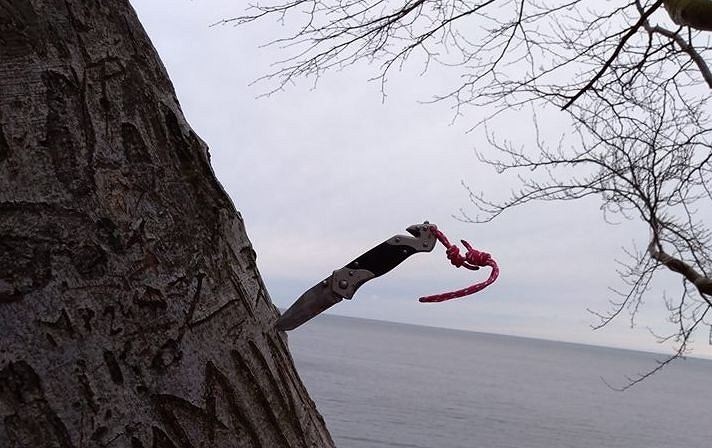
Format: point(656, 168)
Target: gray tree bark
point(696, 14)
point(131, 310)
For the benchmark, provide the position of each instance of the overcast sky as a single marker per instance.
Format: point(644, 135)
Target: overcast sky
point(321, 175)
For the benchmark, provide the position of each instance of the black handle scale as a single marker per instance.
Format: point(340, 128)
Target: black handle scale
point(382, 258)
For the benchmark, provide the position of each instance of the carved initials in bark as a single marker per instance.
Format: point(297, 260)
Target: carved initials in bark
point(131, 309)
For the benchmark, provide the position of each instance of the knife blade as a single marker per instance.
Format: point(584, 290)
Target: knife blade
point(343, 283)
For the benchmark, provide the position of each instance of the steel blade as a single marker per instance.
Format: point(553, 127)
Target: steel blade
point(311, 303)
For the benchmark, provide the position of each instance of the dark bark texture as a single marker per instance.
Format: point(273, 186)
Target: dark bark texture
point(131, 310)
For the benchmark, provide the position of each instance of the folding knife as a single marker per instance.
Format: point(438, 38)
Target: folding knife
point(343, 283)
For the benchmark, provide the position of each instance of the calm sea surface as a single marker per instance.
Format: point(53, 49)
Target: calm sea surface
point(381, 384)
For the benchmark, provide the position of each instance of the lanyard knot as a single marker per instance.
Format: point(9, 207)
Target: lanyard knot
point(473, 260)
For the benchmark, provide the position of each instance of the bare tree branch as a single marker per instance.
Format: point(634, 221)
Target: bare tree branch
point(635, 93)
point(607, 65)
point(702, 283)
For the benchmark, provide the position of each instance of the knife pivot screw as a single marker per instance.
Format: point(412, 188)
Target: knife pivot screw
point(343, 284)
point(397, 240)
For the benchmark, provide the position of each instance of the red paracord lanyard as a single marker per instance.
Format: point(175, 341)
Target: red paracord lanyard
point(473, 260)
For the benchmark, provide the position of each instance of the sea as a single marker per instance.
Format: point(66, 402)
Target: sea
point(389, 385)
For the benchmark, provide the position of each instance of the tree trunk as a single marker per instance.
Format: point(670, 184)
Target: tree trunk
point(131, 310)
point(696, 14)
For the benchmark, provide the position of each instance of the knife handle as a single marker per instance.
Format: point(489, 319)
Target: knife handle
point(382, 258)
point(396, 249)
